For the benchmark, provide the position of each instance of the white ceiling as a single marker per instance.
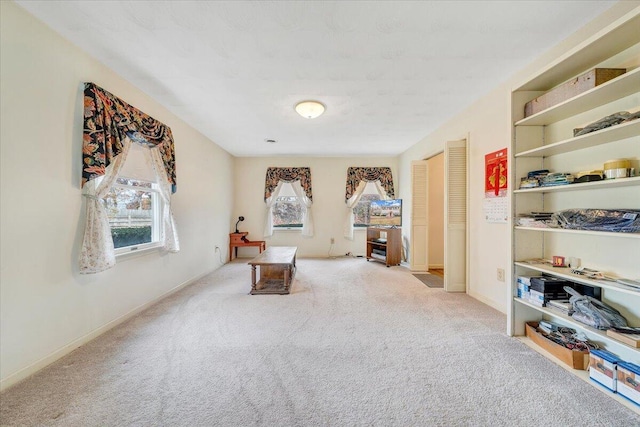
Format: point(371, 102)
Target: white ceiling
point(389, 73)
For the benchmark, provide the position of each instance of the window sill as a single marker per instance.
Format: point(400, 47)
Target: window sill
point(287, 229)
point(135, 251)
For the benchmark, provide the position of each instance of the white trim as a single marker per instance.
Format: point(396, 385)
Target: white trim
point(66, 349)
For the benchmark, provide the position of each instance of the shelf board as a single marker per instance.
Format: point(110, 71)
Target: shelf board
point(607, 183)
point(615, 38)
point(565, 273)
point(586, 232)
point(626, 84)
point(583, 375)
point(600, 137)
point(581, 326)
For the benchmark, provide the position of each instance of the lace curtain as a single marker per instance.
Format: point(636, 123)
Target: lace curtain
point(300, 179)
point(170, 240)
point(110, 127)
point(270, 201)
point(97, 253)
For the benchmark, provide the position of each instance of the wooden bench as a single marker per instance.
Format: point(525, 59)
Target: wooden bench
point(277, 269)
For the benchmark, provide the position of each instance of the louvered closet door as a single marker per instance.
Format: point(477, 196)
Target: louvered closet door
point(455, 247)
point(419, 255)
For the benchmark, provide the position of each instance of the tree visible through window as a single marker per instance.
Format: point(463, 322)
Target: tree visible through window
point(287, 209)
point(133, 208)
point(361, 209)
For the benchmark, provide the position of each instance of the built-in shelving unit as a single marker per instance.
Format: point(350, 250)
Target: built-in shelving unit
point(545, 141)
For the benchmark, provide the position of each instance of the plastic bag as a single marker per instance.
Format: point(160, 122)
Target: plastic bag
point(613, 220)
point(594, 313)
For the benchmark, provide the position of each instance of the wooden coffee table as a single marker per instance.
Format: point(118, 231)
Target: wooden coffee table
point(277, 268)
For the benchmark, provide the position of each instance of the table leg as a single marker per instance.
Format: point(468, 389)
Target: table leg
point(253, 278)
point(286, 279)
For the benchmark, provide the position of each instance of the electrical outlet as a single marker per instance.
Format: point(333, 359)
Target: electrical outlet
point(501, 274)
point(333, 240)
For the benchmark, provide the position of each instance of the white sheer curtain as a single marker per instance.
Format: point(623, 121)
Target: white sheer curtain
point(97, 253)
point(170, 240)
point(353, 201)
point(268, 224)
point(307, 218)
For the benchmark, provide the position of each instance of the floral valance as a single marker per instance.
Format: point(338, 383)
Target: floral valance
point(355, 175)
point(275, 175)
point(108, 120)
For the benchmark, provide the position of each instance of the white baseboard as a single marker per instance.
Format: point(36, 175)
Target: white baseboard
point(61, 352)
point(436, 266)
point(486, 301)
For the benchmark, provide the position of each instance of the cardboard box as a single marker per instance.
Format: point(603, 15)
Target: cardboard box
point(602, 368)
point(577, 359)
point(629, 381)
point(572, 88)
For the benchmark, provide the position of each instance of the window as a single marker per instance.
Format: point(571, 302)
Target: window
point(361, 209)
point(134, 211)
point(287, 209)
point(134, 204)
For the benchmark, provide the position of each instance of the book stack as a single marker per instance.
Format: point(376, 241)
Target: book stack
point(534, 219)
point(561, 305)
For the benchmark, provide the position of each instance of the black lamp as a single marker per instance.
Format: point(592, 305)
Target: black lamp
point(240, 218)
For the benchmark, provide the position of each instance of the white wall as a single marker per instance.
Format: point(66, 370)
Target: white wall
point(328, 179)
point(487, 124)
point(435, 181)
point(46, 307)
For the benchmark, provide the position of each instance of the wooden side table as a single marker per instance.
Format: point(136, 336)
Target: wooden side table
point(239, 240)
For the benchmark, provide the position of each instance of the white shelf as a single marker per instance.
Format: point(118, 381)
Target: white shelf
point(600, 335)
point(583, 375)
point(619, 36)
point(585, 232)
point(607, 183)
point(626, 84)
point(600, 137)
point(565, 273)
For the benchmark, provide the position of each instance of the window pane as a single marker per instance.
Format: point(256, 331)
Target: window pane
point(287, 212)
point(361, 210)
point(130, 213)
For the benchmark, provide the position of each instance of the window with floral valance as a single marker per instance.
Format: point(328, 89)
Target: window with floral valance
point(357, 179)
point(111, 126)
point(300, 180)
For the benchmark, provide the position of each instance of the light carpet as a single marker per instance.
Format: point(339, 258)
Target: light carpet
point(355, 344)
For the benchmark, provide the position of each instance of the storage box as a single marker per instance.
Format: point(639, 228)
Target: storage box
point(540, 299)
point(602, 368)
point(523, 286)
point(572, 88)
point(629, 381)
point(577, 359)
point(547, 284)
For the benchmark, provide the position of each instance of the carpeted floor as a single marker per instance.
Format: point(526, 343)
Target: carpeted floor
point(431, 280)
point(355, 344)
